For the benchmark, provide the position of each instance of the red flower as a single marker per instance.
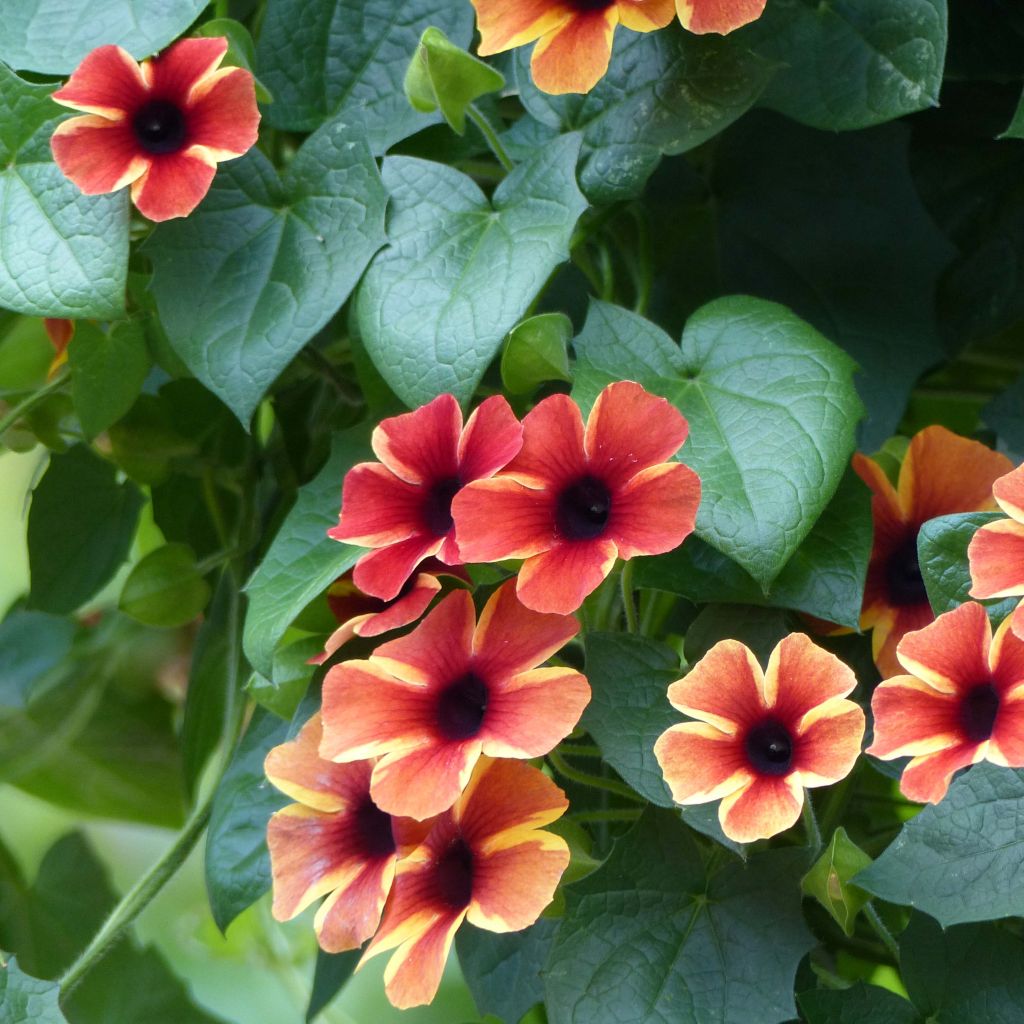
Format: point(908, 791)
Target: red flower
point(996, 551)
point(963, 702)
point(575, 35)
point(430, 702)
point(487, 860)
point(721, 16)
point(574, 500)
point(402, 505)
point(941, 474)
point(60, 331)
point(333, 841)
point(161, 126)
point(760, 739)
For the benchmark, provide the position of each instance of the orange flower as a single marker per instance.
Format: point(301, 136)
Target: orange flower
point(721, 16)
point(996, 551)
point(963, 702)
point(575, 36)
point(760, 739)
point(161, 126)
point(941, 474)
point(487, 860)
point(574, 499)
point(333, 841)
point(428, 703)
point(60, 331)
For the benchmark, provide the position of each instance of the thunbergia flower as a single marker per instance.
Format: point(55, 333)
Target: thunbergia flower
point(335, 841)
point(721, 16)
point(574, 36)
point(996, 551)
point(161, 126)
point(60, 331)
point(429, 703)
point(942, 473)
point(487, 859)
point(401, 506)
point(575, 499)
point(760, 738)
point(962, 701)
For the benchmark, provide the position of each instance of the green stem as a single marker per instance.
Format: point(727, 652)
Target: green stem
point(488, 132)
point(567, 771)
point(580, 750)
point(811, 825)
point(628, 604)
point(876, 922)
point(29, 403)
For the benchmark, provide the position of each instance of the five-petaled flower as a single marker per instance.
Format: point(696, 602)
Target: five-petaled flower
point(429, 703)
point(335, 841)
point(962, 702)
point(575, 499)
point(160, 126)
point(942, 473)
point(487, 859)
point(760, 738)
point(996, 551)
point(401, 506)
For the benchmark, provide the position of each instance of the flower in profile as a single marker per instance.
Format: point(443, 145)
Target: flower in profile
point(574, 36)
point(996, 551)
point(575, 499)
point(721, 16)
point(161, 126)
point(760, 738)
point(942, 473)
point(335, 841)
point(962, 701)
point(60, 331)
point(401, 506)
point(486, 859)
point(429, 703)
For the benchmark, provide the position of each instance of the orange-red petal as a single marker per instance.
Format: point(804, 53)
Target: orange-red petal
point(423, 782)
point(501, 518)
point(421, 446)
point(552, 452)
point(828, 748)
point(701, 763)
point(801, 676)
point(384, 571)
point(558, 580)
point(1008, 491)
point(721, 16)
point(505, 796)
point(926, 779)
point(351, 914)
point(97, 154)
point(574, 56)
point(950, 652)
point(889, 628)
point(491, 438)
point(761, 809)
point(724, 688)
point(996, 558)
point(174, 184)
point(108, 82)
point(224, 120)
point(912, 718)
point(377, 507)
point(179, 68)
point(505, 24)
point(1007, 743)
point(646, 15)
point(656, 510)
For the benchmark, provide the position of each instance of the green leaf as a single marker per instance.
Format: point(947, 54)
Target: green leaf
point(443, 76)
point(80, 527)
point(346, 58)
point(650, 937)
point(165, 588)
point(108, 369)
point(63, 254)
point(25, 1000)
point(860, 1004)
point(829, 880)
point(664, 92)
point(33, 643)
point(329, 977)
point(1005, 415)
point(245, 281)
point(241, 49)
point(771, 408)
point(302, 560)
point(535, 353)
point(53, 36)
point(852, 63)
point(459, 271)
point(759, 628)
point(959, 860)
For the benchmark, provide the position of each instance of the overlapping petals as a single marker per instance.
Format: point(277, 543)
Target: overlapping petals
point(401, 505)
point(720, 16)
point(962, 701)
point(429, 703)
point(941, 474)
point(486, 859)
point(760, 738)
point(574, 38)
point(161, 126)
point(575, 498)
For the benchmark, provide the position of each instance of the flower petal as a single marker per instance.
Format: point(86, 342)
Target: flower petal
point(174, 184)
point(107, 82)
point(405, 609)
point(723, 689)
point(223, 117)
point(504, 25)
point(413, 974)
point(180, 67)
point(646, 15)
point(800, 676)
point(1007, 743)
point(421, 447)
point(764, 808)
point(1009, 493)
point(952, 651)
point(500, 518)
point(98, 155)
point(912, 717)
point(552, 453)
point(829, 747)
point(926, 779)
point(377, 507)
point(1006, 658)
point(424, 782)
point(721, 16)
point(492, 437)
point(575, 56)
point(558, 580)
point(890, 628)
point(656, 510)
point(701, 763)
point(996, 558)
point(385, 571)
point(351, 914)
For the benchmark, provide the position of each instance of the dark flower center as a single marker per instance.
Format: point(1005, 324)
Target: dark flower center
point(770, 748)
point(437, 508)
point(590, 5)
point(978, 711)
point(461, 707)
point(903, 575)
point(373, 827)
point(582, 509)
point(159, 127)
point(454, 874)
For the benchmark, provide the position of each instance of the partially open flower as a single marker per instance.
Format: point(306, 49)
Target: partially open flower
point(161, 126)
point(428, 703)
point(574, 499)
point(760, 739)
point(720, 16)
point(962, 702)
point(60, 331)
point(402, 505)
point(487, 860)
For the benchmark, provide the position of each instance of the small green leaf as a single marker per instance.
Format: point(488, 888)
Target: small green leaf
point(536, 352)
point(32, 643)
point(829, 880)
point(165, 588)
point(26, 1000)
point(241, 49)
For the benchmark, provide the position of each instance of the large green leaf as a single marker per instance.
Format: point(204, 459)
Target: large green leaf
point(27, 1000)
point(771, 408)
point(33, 643)
point(860, 1004)
point(852, 63)
point(459, 271)
point(650, 938)
point(347, 58)
point(62, 254)
point(53, 36)
point(245, 281)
